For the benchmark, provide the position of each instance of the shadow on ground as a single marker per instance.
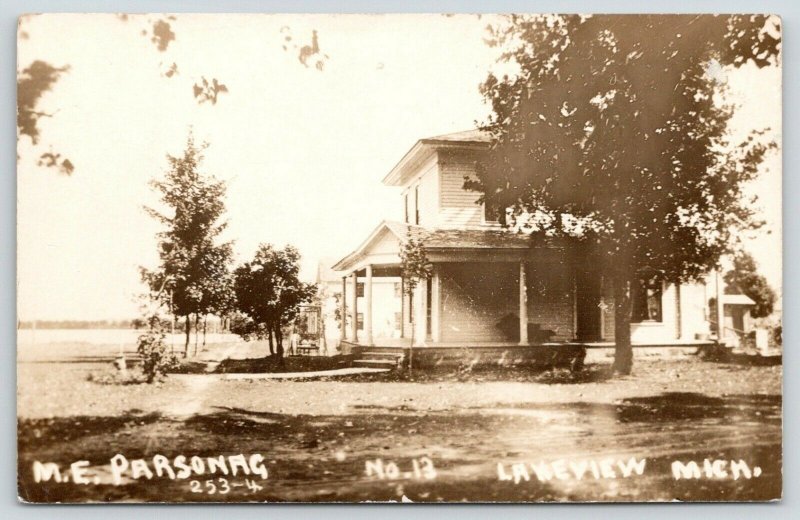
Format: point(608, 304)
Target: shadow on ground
point(325, 458)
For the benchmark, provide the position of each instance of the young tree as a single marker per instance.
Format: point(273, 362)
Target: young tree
point(193, 265)
point(613, 131)
point(269, 293)
point(745, 279)
point(415, 269)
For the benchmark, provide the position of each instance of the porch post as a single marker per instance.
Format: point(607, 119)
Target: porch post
point(523, 305)
point(354, 312)
point(436, 331)
point(368, 306)
point(343, 310)
point(421, 319)
point(402, 306)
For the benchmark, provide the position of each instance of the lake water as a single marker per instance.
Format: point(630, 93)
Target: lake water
point(103, 337)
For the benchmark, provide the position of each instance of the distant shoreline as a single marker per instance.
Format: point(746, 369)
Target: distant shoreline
point(74, 324)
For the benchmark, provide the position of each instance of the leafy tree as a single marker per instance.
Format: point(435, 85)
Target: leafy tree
point(269, 293)
point(194, 268)
point(32, 83)
point(745, 279)
point(612, 132)
point(415, 269)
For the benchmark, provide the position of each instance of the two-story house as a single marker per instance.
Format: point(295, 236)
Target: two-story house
point(491, 287)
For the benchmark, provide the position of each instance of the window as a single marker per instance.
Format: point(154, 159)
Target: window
point(360, 321)
point(398, 290)
point(398, 321)
point(405, 207)
point(416, 204)
point(490, 213)
point(410, 307)
point(646, 300)
point(359, 289)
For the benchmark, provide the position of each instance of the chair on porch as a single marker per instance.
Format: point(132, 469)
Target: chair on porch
point(509, 326)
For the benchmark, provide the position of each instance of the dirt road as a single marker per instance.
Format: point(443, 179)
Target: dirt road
point(420, 441)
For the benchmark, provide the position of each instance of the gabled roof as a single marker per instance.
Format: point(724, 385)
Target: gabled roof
point(425, 148)
point(398, 229)
point(447, 239)
point(737, 299)
point(467, 136)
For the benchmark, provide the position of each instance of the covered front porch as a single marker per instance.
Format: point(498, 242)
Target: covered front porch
point(487, 289)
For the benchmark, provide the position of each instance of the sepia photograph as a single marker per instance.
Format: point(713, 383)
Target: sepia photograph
point(399, 258)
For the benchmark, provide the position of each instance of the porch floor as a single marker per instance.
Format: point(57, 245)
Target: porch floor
point(406, 343)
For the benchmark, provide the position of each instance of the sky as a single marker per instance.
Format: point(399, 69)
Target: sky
point(303, 148)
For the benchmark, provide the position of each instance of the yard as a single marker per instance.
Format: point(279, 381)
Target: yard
point(425, 437)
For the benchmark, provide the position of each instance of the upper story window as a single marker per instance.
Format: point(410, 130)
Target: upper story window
point(416, 204)
point(405, 207)
point(646, 295)
point(491, 213)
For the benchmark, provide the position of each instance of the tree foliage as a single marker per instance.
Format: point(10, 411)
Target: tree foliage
point(415, 268)
point(613, 131)
point(269, 294)
point(32, 83)
point(745, 279)
point(194, 272)
point(414, 263)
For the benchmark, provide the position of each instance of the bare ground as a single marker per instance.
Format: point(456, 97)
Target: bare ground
point(317, 436)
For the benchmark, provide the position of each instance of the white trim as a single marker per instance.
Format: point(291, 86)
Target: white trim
point(436, 304)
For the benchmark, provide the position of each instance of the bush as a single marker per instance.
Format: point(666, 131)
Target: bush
point(777, 335)
point(157, 359)
point(115, 377)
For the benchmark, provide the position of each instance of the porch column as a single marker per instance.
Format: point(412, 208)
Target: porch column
point(523, 305)
point(436, 331)
point(402, 307)
point(343, 310)
point(421, 319)
point(368, 307)
point(354, 312)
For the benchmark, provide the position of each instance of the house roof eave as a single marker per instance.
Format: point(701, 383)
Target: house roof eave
point(359, 253)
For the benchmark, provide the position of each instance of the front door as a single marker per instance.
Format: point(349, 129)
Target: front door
point(587, 306)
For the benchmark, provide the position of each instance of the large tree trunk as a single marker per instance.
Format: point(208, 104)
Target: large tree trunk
point(279, 341)
point(271, 344)
point(188, 333)
point(623, 352)
point(196, 331)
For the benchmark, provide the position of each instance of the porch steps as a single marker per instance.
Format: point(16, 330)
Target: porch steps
point(376, 359)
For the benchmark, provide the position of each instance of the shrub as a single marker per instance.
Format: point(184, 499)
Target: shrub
point(157, 359)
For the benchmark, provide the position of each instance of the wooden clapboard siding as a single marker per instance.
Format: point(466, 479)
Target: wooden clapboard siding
point(474, 298)
point(428, 184)
point(550, 299)
point(694, 306)
point(458, 207)
point(653, 332)
point(665, 330)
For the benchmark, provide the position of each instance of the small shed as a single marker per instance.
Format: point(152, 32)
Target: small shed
point(736, 310)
